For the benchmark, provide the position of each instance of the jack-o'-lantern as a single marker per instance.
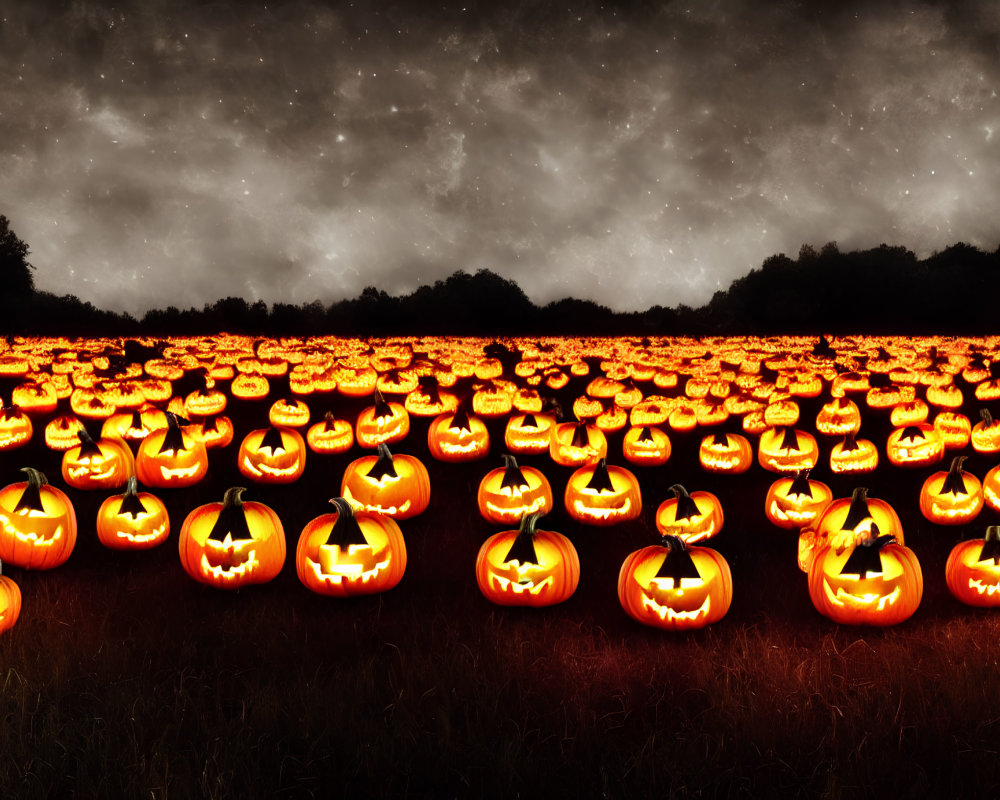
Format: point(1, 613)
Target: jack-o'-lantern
point(330, 436)
point(683, 418)
point(233, 543)
point(602, 495)
point(653, 410)
point(646, 446)
point(847, 520)
point(132, 521)
point(839, 417)
point(787, 450)
point(588, 408)
point(853, 456)
point(206, 401)
point(272, 455)
point(214, 432)
point(397, 486)
point(170, 458)
point(458, 437)
point(951, 497)
point(10, 603)
point(955, 429)
point(574, 444)
point(675, 586)
point(692, 517)
point(912, 413)
point(61, 433)
point(783, 412)
point(134, 426)
point(346, 552)
point(104, 464)
point(428, 400)
point(289, 413)
point(876, 581)
point(727, 453)
point(529, 433)
point(509, 492)
point(946, 395)
point(37, 523)
point(15, 428)
point(35, 398)
point(986, 434)
point(527, 566)
point(356, 377)
point(795, 502)
point(991, 488)
point(972, 571)
point(493, 399)
point(246, 386)
point(914, 446)
point(385, 422)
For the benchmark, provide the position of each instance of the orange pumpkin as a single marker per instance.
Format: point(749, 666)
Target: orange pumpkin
point(385, 422)
point(170, 458)
point(529, 433)
point(396, 486)
point(691, 517)
point(330, 436)
point(675, 586)
point(646, 446)
point(727, 453)
point(602, 495)
point(345, 553)
point(104, 464)
point(458, 437)
point(853, 456)
point(952, 496)
point(132, 521)
point(232, 544)
point(574, 444)
point(527, 566)
point(915, 446)
point(787, 450)
point(274, 455)
point(972, 571)
point(509, 492)
point(795, 502)
point(37, 523)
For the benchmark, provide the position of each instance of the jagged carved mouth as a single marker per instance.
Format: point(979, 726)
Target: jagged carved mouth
point(142, 538)
point(36, 538)
point(669, 614)
point(332, 571)
point(843, 598)
point(983, 588)
point(508, 514)
point(179, 472)
point(521, 586)
point(585, 510)
point(91, 471)
point(225, 564)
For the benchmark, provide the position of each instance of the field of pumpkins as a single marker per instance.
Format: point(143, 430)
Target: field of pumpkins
point(871, 459)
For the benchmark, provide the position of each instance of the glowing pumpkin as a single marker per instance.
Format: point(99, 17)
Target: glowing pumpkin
point(602, 495)
point(37, 523)
point(170, 458)
point(385, 422)
point(397, 486)
point(787, 450)
point(915, 446)
point(794, 502)
point(132, 521)
point(15, 428)
point(345, 553)
point(951, 497)
point(272, 455)
point(458, 437)
point(646, 446)
point(104, 464)
point(508, 493)
point(10, 603)
point(527, 566)
point(727, 453)
point(232, 544)
point(853, 456)
point(330, 436)
point(529, 433)
point(972, 571)
point(691, 517)
point(675, 586)
point(574, 444)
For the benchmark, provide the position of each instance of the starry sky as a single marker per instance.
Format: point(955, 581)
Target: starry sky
point(158, 153)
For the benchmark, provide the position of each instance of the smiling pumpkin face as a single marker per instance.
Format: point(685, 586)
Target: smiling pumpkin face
point(691, 517)
point(603, 495)
point(527, 566)
point(508, 493)
point(347, 553)
point(132, 521)
point(675, 586)
point(972, 571)
point(37, 523)
point(233, 543)
point(171, 458)
point(793, 503)
point(272, 455)
point(396, 486)
point(104, 464)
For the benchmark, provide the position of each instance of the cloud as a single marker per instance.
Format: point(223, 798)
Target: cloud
point(176, 153)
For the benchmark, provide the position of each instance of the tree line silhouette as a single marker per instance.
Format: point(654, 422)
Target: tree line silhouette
point(884, 290)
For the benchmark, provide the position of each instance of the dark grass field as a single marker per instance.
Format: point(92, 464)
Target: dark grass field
point(126, 678)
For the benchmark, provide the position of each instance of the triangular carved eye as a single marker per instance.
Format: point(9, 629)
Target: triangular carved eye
point(232, 519)
point(522, 549)
point(346, 530)
point(867, 556)
point(272, 441)
point(600, 480)
point(687, 508)
point(383, 467)
point(677, 562)
point(131, 504)
point(513, 477)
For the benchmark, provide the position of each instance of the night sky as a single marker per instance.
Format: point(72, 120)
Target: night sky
point(156, 153)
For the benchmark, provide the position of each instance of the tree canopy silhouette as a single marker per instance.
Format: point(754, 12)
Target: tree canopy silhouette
point(15, 271)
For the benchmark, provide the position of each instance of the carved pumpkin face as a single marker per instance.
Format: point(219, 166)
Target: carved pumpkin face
point(61, 433)
point(205, 402)
point(345, 553)
point(787, 450)
point(330, 436)
point(793, 503)
point(727, 453)
point(603, 495)
point(288, 413)
point(133, 520)
point(428, 400)
point(35, 398)
point(508, 493)
point(104, 464)
point(853, 456)
point(675, 586)
point(529, 433)
point(847, 520)
point(574, 444)
point(874, 582)
point(396, 486)
point(171, 458)
point(15, 428)
point(213, 432)
point(915, 446)
point(912, 413)
point(37, 523)
point(246, 386)
point(952, 497)
point(383, 423)
point(458, 437)
point(646, 446)
point(972, 571)
point(233, 543)
point(527, 567)
point(10, 603)
point(272, 455)
point(986, 434)
point(134, 426)
point(954, 429)
point(691, 517)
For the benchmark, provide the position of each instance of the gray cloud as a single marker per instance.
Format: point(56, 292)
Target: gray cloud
point(172, 153)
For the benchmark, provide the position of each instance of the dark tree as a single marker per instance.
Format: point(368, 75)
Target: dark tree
point(15, 271)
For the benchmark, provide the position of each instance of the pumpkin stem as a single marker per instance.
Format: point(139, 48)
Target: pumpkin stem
point(800, 484)
point(677, 562)
point(850, 443)
point(687, 508)
point(232, 518)
point(131, 504)
point(346, 530)
point(382, 408)
point(173, 439)
point(600, 479)
point(383, 467)
point(987, 417)
point(31, 499)
point(954, 483)
point(513, 478)
point(858, 511)
point(88, 447)
point(329, 421)
point(522, 549)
